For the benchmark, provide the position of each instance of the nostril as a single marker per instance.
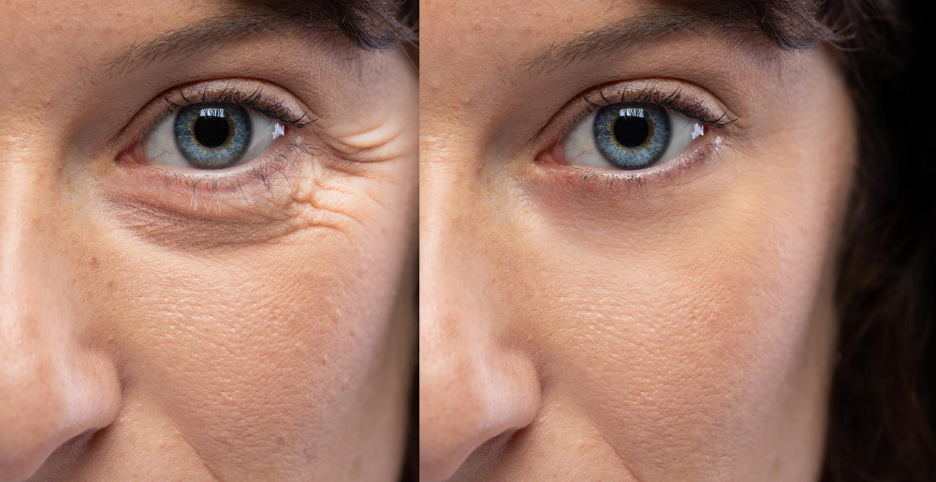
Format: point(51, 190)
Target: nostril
point(68, 453)
point(48, 418)
point(74, 447)
point(491, 450)
point(483, 455)
point(26, 463)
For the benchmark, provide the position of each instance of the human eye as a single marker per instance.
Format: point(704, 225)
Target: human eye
point(211, 135)
point(222, 161)
point(633, 130)
point(216, 126)
point(224, 149)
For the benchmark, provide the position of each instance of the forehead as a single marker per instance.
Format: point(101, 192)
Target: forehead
point(84, 25)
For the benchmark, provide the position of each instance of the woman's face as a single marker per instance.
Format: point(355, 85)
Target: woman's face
point(164, 319)
point(651, 321)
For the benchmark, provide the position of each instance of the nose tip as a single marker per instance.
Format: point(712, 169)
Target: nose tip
point(44, 404)
point(52, 387)
point(465, 405)
point(448, 435)
point(32, 424)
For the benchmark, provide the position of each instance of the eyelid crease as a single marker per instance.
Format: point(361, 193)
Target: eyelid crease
point(672, 99)
point(254, 100)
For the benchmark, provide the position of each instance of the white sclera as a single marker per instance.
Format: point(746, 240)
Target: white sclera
point(160, 148)
point(579, 146)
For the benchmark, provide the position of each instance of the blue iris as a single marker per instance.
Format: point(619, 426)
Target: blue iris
point(632, 135)
point(212, 135)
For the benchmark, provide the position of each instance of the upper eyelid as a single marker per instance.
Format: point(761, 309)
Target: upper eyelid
point(170, 100)
point(674, 99)
point(254, 100)
point(610, 93)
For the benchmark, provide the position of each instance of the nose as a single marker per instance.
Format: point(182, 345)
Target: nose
point(477, 386)
point(54, 386)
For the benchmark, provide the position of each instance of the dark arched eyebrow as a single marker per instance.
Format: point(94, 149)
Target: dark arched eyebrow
point(781, 25)
point(367, 24)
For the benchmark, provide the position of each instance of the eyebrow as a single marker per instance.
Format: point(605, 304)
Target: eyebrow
point(368, 24)
point(607, 40)
point(195, 38)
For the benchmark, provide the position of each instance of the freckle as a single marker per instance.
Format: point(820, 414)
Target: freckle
point(95, 264)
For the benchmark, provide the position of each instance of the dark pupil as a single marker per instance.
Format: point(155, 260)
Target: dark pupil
point(631, 131)
point(211, 131)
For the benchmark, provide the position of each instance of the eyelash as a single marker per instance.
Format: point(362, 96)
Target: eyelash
point(256, 99)
point(264, 172)
point(674, 99)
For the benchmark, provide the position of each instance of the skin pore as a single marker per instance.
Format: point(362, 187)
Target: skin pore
point(593, 324)
point(164, 323)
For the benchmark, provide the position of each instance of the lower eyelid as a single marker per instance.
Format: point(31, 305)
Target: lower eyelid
point(314, 199)
point(604, 183)
point(260, 187)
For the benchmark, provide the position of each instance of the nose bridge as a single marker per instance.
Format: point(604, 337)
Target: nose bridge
point(32, 246)
point(453, 270)
point(472, 386)
point(454, 274)
point(51, 387)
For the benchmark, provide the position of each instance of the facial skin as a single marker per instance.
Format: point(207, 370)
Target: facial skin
point(675, 328)
point(252, 324)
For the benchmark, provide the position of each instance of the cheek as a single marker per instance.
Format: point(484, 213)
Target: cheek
point(266, 357)
point(685, 349)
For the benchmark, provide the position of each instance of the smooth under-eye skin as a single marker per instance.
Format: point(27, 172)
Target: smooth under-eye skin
point(581, 323)
point(161, 322)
